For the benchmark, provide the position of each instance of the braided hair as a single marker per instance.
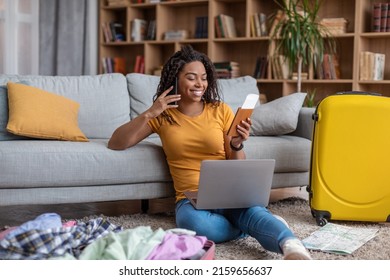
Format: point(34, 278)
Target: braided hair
point(176, 63)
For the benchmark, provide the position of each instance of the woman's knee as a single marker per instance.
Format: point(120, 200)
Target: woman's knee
point(205, 223)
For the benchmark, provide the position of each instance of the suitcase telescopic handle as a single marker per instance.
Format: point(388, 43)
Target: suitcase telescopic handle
point(358, 92)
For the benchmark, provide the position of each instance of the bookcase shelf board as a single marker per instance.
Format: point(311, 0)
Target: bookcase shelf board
point(194, 23)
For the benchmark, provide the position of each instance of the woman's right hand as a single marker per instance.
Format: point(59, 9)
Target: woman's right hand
point(163, 102)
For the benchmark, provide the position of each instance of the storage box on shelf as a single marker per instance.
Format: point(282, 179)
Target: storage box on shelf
point(245, 47)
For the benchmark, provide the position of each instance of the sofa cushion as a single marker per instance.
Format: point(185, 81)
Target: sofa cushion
point(277, 117)
point(234, 91)
point(291, 153)
point(104, 99)
point(142, 88)
point(40, 163)
point(41, 114)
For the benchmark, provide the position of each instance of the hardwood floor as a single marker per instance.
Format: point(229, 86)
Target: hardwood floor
point(15, 215)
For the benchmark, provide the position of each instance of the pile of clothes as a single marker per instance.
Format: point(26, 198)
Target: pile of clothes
point(47, 237)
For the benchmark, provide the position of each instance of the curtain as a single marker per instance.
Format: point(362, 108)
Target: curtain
point(64, 44)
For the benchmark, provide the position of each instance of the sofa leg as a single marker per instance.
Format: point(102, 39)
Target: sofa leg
point(144, 206)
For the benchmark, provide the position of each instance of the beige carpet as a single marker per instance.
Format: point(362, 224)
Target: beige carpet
point(297, 213)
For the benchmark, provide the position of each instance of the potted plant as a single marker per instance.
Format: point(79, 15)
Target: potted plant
point(299, 36)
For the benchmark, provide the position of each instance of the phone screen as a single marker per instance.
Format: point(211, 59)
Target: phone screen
point(173, 91)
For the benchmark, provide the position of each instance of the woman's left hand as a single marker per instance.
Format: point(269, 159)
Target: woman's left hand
point(243, 133)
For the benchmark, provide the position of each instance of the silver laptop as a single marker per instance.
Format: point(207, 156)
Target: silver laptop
point(233, 184)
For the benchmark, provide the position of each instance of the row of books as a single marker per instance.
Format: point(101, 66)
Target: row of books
point(227, 69)
point(113, 32)
point(261, 65)
point(381, 17)
point(329, 68)
point(335, 26)
point(116, 3)
point(139, 65)
point(280, 68)
point(174, 35)
point(225, 26)
point(202, 27)
point(142, 30)
point(258, 25)
point(372, 66)
point(114, 65)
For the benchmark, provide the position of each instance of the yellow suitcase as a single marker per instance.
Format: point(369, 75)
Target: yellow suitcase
point(350, 161)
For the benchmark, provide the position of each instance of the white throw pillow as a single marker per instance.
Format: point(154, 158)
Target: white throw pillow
point(234, 91)
point(142, 88)
point(277, 117)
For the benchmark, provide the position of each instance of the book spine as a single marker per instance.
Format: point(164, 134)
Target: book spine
point(379, 65)
point(326, 66)
point(257, 25)
point(218, 27)
point(388, 18)
point(205, 29)
point(263, 67)
point(263, 24)
point(384, 8)
point(256, 73)
point(376, 17)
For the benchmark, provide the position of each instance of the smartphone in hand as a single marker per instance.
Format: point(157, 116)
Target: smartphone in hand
point(173, 91)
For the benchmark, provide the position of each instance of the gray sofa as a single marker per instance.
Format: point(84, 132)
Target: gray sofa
point(34, 171)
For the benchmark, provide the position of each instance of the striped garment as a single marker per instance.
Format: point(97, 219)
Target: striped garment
point(55, 242)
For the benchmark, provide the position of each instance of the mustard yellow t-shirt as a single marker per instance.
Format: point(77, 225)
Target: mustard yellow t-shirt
point(192, 140)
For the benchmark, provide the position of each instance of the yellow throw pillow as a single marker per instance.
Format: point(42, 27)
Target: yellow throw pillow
point(36, 113)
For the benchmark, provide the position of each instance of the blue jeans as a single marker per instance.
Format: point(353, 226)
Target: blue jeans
point(222, 225)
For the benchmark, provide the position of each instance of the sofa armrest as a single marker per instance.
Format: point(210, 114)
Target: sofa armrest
point(305, 123)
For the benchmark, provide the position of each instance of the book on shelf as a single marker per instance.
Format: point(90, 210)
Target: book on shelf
point(384, 9)
point(329, 68)
point(106, 33)
point(371, 66)
point(225, 26)
point(114, 65)
point(151, 33)
point(201, 27)
point(376, 17)
point(139, 65)
point(304, 76)
point(380, 17)
point(138, 29)
point(260, 71)
point(258, 25)
point(173, 35)
point(113, 32)
point(227, 69)
point(117, 3)
point(335, 26)
point(379, 66)
point(280, 67)
point(117, 30)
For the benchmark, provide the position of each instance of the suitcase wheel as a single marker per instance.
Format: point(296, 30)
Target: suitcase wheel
point(320, 216)
point(321, 221)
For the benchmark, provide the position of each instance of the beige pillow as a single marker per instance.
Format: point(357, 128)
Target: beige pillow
point(36, 113)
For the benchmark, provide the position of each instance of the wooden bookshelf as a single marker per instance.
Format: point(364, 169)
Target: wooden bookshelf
point(244, 49)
